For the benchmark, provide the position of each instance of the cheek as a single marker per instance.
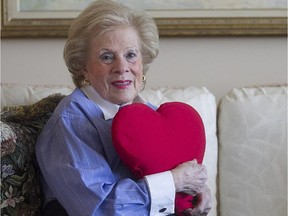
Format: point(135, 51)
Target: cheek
point(138, 69)
point(138, 75)
point(96, 72)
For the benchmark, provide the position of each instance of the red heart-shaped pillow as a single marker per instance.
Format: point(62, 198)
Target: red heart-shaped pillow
point(151, 141)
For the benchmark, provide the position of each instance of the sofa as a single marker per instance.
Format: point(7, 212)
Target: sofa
point(246, 145)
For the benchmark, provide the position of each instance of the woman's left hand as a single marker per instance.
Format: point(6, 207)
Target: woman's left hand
point(202, 204)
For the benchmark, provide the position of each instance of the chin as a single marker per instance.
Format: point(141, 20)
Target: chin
point(124, 99)
point(127, 101)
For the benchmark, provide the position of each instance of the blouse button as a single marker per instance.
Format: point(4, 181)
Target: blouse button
point(162, 210)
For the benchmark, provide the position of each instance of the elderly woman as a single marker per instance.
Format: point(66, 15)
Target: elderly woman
point(108, 53)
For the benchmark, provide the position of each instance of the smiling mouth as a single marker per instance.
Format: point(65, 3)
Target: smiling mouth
point(122, 83)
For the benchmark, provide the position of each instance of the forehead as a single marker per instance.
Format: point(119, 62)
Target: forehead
point(123, 37)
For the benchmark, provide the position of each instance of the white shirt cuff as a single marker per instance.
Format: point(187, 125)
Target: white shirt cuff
point(162, 192)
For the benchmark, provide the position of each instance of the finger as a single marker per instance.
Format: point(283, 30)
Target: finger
point(197, 200)
point(188, 212)
point(208, 207)
point(195, 212)
point(206, 211)
point(193, 162)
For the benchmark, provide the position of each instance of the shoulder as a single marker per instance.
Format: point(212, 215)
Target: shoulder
point(77, 105)
point(152, 106)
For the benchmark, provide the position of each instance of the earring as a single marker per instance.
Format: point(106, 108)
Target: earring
point(86, 82)
point(143, 78)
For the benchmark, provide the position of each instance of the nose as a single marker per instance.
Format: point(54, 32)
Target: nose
point(121, 65)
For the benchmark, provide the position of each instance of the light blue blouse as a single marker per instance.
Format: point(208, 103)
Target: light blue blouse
point(82, 170)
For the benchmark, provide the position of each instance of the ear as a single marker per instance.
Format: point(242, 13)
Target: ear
point(85, 73)
point(143, 83)
point(84, 70)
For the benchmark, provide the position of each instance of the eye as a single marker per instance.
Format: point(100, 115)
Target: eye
point(131, 56)
point(107, 57)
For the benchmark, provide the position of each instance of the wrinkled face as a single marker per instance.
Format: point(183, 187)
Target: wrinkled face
point(114, 65)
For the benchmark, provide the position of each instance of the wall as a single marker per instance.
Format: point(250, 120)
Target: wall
point(219, 63)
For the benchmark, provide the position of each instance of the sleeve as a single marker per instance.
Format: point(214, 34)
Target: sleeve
point(162, 193)
point(79, 175)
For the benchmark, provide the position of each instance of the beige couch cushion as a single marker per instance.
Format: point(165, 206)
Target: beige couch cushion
point(23, 94)
point(253, 152)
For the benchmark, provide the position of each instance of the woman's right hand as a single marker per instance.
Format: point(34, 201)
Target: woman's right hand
point(190, 177)
point(203, 204)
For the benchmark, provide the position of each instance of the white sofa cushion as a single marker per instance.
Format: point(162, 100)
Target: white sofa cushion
point(252, 127)
point(24, 94)
point(200, 98)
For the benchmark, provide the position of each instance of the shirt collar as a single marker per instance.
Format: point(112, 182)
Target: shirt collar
point(109, 109)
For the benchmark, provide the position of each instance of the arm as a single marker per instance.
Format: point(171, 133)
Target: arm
point(79, 176)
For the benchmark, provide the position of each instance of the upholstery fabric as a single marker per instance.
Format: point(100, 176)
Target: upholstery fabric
point(25, 94)
point(20, 184)
point(253, 152)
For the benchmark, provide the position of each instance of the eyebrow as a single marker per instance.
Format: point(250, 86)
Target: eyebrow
point(110, 50)
point(104, 49)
